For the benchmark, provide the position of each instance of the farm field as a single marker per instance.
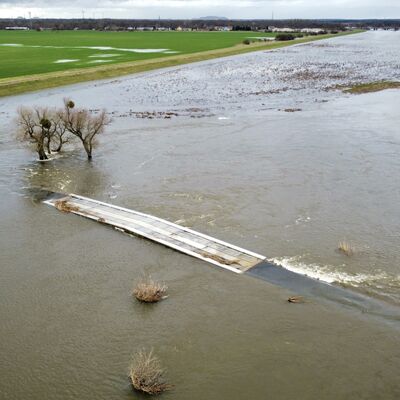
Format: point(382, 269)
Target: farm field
point(33, 60)
point(32, 52)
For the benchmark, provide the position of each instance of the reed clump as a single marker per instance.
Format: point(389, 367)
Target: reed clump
point(346, 248)
point(147, 374)
point(149, 291)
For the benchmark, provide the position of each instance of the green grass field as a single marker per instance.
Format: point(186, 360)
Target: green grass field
point(32, 52)
point(30, 60)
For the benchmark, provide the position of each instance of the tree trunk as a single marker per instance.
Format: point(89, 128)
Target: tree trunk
point(60, 143)
point(48, 146)
point(41, 152)
point(88, 149)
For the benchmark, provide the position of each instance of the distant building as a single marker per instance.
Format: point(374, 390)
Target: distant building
point(313, 30)
point(145, 28)
point(285, 30)
point(17, 28)
point(223, 28)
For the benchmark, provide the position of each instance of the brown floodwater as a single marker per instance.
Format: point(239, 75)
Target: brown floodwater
point(229, 162)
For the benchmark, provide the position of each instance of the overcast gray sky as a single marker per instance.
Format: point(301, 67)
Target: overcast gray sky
point(198, 8)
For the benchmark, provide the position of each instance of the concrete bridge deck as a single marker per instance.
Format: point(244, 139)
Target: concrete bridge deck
point(161, 231)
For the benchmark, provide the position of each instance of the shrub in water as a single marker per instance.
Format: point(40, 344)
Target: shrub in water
point(149, 291)
point(346, 248)
point(146, 373)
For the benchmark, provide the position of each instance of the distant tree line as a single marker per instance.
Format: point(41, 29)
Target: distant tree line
point(246, 25)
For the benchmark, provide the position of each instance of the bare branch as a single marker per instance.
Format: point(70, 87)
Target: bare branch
point(83, 124)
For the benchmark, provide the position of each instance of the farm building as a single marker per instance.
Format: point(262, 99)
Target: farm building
point(17, 28)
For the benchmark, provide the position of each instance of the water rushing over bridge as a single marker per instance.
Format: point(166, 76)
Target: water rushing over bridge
point(177, 237)
point(214, 251)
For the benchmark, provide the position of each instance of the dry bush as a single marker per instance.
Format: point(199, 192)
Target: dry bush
point(346, 248)
point(146, 373)
point(149, 291)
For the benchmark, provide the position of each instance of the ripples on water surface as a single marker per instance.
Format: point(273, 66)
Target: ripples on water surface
point(312, 179)
point(287, 185)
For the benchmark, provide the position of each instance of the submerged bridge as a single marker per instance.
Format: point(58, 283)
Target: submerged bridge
point(214, 251)
point(177, 237)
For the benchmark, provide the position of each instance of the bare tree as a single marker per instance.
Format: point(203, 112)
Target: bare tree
point(35, 126)
point(60, 131)
point(84, 125)
point(46, 128)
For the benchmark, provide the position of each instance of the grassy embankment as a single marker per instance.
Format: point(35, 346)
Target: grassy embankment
point(25, 83)
point(372, 87)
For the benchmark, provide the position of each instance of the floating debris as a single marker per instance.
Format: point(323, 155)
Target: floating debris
point(292, 110)
point(296, 299)
point(62, 205)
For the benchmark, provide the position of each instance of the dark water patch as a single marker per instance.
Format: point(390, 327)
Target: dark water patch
point(321, 291)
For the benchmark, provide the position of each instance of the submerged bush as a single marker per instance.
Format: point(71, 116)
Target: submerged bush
point(296, 299)
point(146, 373)
point(346, 248)
point(148, 291)
point(284, 36)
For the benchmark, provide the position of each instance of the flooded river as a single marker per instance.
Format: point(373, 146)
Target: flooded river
point(261, 150)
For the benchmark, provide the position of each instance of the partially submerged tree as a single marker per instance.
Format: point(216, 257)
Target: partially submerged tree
point(50, 129)
point(84, 125)
point(34, 126)
point(60, 131)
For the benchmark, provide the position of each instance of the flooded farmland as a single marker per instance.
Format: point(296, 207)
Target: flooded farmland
point(261, 150)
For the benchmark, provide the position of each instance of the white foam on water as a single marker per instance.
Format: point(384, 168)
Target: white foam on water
point(326, 274)
point(66, 60)
point(171, 52)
